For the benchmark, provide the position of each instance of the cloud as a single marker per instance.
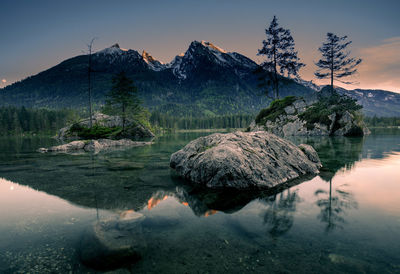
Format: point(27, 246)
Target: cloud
point(4, 81)
point(380, 68)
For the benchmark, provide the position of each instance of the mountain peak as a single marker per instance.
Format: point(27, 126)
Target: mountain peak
point(148, 58)
point(151, 62)
point(210, 46)
point(114, 49)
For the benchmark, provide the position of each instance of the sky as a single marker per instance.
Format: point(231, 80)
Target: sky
point(36, 35)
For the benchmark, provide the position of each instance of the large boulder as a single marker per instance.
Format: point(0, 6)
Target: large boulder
point(293, 116)
point(133, 129)
point(243, 160)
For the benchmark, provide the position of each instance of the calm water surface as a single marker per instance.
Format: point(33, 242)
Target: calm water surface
point(347, 219)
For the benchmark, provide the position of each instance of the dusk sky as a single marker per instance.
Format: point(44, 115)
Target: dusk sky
point(37, 35)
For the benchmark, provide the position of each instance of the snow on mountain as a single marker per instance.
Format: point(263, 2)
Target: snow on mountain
point(176, 66)
point(151, 62)
point(212, 47)
point(113, 50)
point(183, 63)
point(206, 51)
point(116, 55)
point(308, 84)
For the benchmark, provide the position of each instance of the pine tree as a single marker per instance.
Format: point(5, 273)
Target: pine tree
point(335, 62)
point(122, 98)
point(281, 56)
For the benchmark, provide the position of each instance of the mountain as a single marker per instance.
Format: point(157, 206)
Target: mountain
point(381, 103)
point(204, 80)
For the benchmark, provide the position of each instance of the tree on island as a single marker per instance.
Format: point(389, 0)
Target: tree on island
point(335, 62)
point(122, 98)
point(281, 56)
point(90, 70)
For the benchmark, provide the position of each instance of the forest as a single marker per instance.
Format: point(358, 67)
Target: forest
point(23, 121)
point(29, 121)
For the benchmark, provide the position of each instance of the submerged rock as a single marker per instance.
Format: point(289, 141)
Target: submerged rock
point(242, 160)
point(113, 243)
point(93, 145)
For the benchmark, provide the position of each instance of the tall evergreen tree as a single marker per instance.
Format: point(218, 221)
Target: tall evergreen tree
point(122, 99)
point(90, 70)
point(335, 62)
point(281, 55)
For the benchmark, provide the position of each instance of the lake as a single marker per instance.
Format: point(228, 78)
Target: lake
point(346, 219)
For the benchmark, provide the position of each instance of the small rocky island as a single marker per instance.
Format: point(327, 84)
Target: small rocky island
point(106, 133)
point(330, 114)
point(244, 160)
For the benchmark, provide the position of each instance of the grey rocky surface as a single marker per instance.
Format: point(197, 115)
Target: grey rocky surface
point(243, 160)
point(93, 145)
point(290, 124)
point(133, 129)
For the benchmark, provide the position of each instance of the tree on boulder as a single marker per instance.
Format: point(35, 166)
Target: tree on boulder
point(335, 62)
point(281, 56)
point(122, 98)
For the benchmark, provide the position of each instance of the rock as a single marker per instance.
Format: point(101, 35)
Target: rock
point(113, 243)
point(133, 129)
point(74, 145)
point(310, 152)
point(289, 121)
point(42, 150)
point(290, 110)
point(242, 160)
point(93, 145)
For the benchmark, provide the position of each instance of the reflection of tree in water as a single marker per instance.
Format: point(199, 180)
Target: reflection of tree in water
point(336, 153)
point(278, 216)
point(333, 205)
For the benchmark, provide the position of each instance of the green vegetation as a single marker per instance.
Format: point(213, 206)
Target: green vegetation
point(122, 99)
point(25, 121)
point(169, 122)
point(95, 132)
point(280, 55)
point(382, 121)
point(276, 108)
point(320, 111)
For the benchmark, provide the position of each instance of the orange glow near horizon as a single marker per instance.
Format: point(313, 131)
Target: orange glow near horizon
point(210, 212)
point(152, 202)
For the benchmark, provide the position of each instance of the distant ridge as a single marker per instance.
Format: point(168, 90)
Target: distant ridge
point(204, 80)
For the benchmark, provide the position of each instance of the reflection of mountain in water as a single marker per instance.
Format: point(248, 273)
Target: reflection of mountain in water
point(139, 178)
point(279, 204)
point(202, 200)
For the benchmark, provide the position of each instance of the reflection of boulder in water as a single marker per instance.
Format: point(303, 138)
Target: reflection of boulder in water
point(205, 201)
